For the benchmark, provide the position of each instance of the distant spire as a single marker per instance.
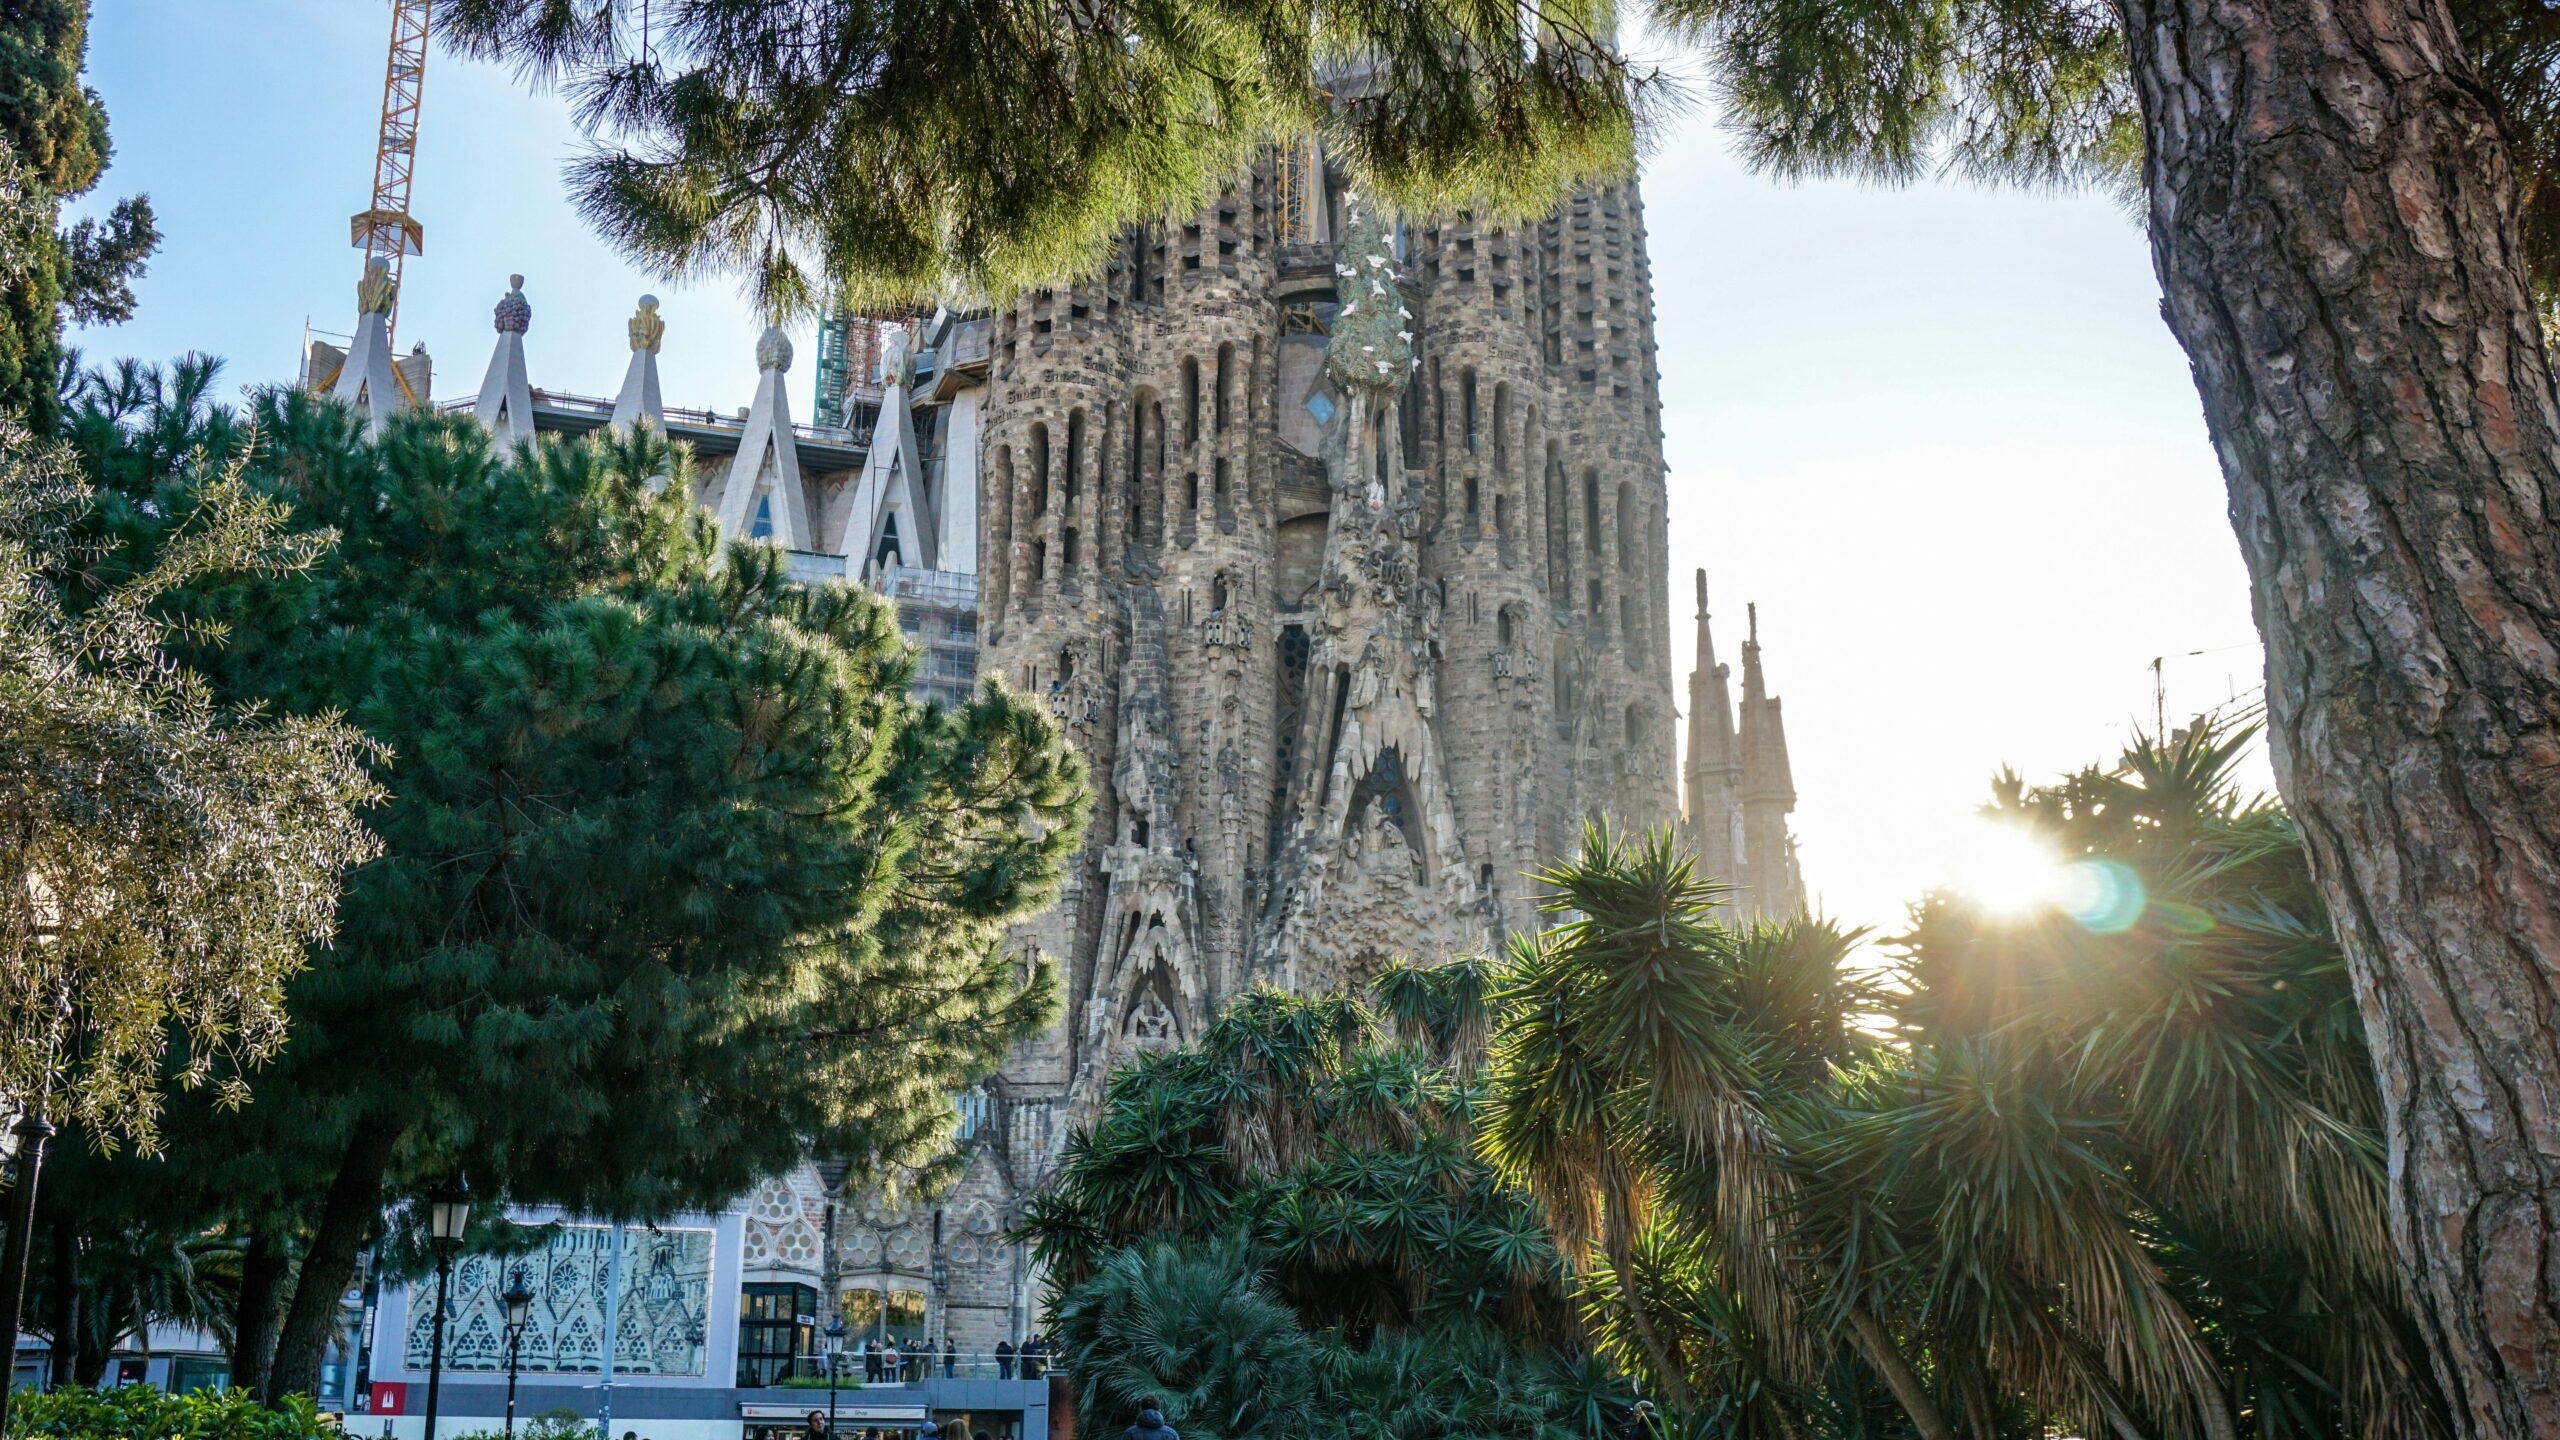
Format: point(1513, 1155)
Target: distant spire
point(638, 400)
point(1711, 761)
point(764, 477)
point(506, 394)
point(892, 484)
point(1766, 772)
point(368, 379)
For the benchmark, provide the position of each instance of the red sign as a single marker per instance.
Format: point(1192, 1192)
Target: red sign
point(390, 1397)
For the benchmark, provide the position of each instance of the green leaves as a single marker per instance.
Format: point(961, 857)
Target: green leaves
point(166, 860)
point(879, 151)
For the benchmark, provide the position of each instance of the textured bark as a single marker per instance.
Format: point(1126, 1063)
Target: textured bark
point(1670, 1372)
point(1898, 1376)
point(329, 1262)
point(253, 1319)
point(2333, 221)
point(62, 1256)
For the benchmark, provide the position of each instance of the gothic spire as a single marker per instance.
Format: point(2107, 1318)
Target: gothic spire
point(761, 497)
point(1766, 774)
point(639, 401)
point(368, 379)
point(506, 394)
point(1713, 767)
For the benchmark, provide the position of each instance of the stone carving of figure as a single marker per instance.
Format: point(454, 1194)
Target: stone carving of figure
point(647, 330)
point(897, 365)
point(375, 291)
point(1151, 1024)
point(514, 312)
point(1365, 679)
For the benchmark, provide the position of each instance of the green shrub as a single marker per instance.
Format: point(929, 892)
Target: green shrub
point(141, 1412)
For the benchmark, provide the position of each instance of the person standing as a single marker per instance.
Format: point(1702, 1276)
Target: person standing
point(950, 1356)
point(893, 1364)
point(1004, 1358)
point(1151, 1424)
point(871, 1361)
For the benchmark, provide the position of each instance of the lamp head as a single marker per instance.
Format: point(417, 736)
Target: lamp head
point(519, 1302)
point(449, 1212)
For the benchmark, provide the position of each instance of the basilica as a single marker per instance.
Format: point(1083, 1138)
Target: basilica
point(1336, 542)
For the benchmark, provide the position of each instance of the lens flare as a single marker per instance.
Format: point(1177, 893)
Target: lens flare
point(2105, 896)
point(2004, 868)
point(2011, 870)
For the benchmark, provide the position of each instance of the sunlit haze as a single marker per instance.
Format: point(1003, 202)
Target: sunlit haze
point(1939, 435)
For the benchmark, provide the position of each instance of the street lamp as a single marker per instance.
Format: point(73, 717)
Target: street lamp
point(835, 1362)
point(23, 1144)
point(448, 1214)
point(519, 1310)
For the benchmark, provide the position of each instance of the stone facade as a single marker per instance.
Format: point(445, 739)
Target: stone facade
point(1357, 617)
point(1339, 550)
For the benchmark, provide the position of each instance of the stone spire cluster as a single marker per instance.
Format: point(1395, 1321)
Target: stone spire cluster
point(1741, 787)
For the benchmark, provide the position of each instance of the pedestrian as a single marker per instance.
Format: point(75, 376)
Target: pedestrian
point(1150, 1424)
point(1034, 1352)
point(815, 1428)
point(950, 1356)
point(1004, 1358)
point(871, 1361)
point(893, 1364)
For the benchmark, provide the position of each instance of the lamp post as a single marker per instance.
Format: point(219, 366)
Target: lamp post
point(23, 1144)
point(519, 1310)
point(448, 1213)
point(835, 1362)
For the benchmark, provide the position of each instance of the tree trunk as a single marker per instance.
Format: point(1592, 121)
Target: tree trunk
point(1886, 1357)
point(253, 1319)
point(1668, 1372)
point(2333, 222)
point(62, 1255)
point(329, 1262)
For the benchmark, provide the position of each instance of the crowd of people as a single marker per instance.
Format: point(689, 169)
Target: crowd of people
point(902, 1362)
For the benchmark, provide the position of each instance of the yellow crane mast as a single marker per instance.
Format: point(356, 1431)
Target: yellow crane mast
point(387, 231)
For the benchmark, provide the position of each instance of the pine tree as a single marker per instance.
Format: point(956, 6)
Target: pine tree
point(846, 149)
point(53, 147)
point(679, 886)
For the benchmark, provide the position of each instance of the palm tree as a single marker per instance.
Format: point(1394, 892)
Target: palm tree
point(1640, 1045)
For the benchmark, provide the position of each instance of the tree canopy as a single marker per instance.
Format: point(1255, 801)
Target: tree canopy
point(842, 149)
point(53, 147)
point(678, 887)
point(1282, 1231)
point(167, 857)
point(2114, 1164)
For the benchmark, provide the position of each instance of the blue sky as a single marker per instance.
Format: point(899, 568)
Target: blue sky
point(1939, 434)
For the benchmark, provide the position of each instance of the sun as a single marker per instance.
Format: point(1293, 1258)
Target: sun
point(2007, 869)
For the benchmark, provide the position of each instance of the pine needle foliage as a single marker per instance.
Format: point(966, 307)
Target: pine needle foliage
point(867, 152)
point(2034, 93)
point(679, 887)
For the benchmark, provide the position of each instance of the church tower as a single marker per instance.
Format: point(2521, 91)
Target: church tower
point(1741, 788)
point(1336, 540)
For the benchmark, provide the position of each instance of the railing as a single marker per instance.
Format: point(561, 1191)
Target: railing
point(680, 414)
point(934, 587)
point(915, 1369)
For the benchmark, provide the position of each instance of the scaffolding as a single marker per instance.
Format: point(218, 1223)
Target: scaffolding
point(849, 360)
point(387, 231)
point(1301, 189)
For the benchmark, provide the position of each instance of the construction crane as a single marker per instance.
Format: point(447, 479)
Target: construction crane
point(387, 231)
